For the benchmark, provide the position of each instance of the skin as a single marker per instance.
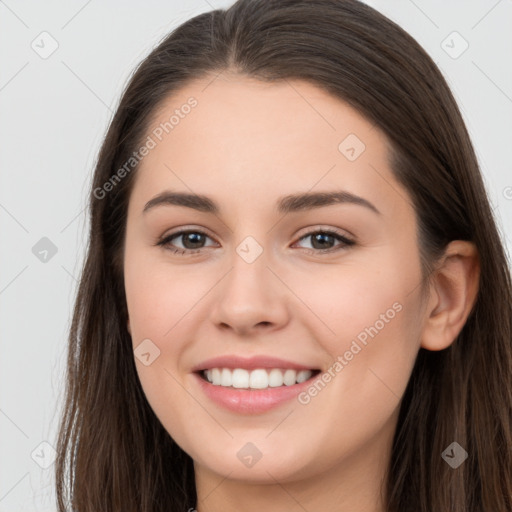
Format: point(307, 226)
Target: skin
point(246, 144)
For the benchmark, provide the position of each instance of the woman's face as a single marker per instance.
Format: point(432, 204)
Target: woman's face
point(270, 283)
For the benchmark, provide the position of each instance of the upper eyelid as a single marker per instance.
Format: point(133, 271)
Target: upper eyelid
point(184, 231)
point(324, 228)
point(306, 231)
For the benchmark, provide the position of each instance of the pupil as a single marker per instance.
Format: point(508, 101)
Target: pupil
point(321, 237)
point(194, 238)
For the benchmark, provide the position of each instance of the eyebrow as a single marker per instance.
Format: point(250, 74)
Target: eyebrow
point(286, 204)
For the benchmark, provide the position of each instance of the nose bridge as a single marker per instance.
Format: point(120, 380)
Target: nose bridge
point(249, 275)
point(250, 294)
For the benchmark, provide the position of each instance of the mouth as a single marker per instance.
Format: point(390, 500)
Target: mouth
point(252, 385)
point(255, 391)
point(256, 379)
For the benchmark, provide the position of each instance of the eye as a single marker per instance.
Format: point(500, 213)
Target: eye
point(322, 241)
point(192, 241)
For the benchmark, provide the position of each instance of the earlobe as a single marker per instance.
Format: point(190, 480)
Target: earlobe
point(454, 289)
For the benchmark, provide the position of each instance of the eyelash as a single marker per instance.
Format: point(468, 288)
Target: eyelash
point(346, 242)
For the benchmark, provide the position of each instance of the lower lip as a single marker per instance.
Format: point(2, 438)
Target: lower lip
point(251, 401)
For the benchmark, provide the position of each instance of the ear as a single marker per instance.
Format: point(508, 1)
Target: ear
point(453, 292)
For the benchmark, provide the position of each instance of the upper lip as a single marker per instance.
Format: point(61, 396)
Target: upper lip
point(249, 363)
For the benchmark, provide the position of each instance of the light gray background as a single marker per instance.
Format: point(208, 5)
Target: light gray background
point(54, 113)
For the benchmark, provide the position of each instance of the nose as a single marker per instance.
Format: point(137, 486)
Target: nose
point(250, 299)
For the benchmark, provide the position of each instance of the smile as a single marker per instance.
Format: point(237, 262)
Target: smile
point(252, 385)
point(259, 378)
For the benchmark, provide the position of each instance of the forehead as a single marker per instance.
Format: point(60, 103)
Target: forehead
point(261, 138)
point(262, 115)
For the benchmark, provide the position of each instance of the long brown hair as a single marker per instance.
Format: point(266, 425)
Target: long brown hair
point(113, 453)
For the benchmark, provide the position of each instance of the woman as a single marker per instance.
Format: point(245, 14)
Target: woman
point(218, 363)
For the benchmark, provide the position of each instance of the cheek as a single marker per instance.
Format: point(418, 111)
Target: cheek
point(368, 315)
point(158, 296)
point(158, 302)
point(347, 299)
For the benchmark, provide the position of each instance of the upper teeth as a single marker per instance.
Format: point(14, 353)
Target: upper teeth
point(255, 379)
